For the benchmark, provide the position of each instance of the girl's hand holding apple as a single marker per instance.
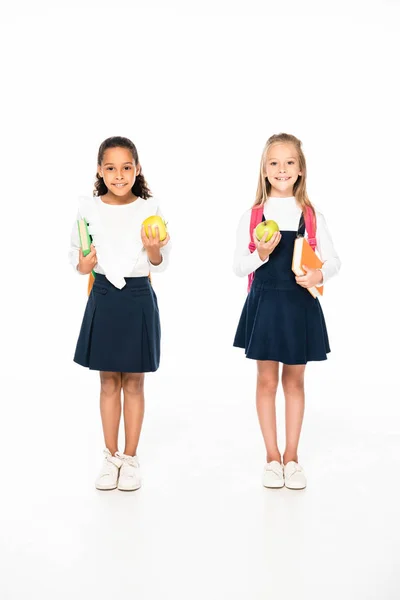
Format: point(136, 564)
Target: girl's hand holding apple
point(264, 248)
point(152, 243)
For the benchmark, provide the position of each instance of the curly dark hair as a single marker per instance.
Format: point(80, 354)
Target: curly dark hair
point(140, 187)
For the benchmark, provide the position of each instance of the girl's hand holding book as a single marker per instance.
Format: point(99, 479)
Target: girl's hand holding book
point(87, 263)
point(311, 278)
point(264, 248)
point(152, 244)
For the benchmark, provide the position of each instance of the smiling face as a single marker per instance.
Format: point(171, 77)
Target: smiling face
point(119, 171)
point(282, 169)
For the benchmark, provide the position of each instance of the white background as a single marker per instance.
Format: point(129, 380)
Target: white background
point(199, 88)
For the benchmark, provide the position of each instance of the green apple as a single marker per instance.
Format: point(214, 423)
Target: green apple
point(270, 226)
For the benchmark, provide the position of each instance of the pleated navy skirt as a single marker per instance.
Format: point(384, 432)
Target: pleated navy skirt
point(120, 330)
point(280, 320)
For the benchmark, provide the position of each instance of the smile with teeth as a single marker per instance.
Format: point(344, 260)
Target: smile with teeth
point(282, 178)
point(119, 184)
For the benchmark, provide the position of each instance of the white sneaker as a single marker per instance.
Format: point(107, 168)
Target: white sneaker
point(295, 478)
point(108, 476)
point(273, 475)
point(129, 476)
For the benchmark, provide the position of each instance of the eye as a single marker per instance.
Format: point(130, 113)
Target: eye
point(109, 168)
point(273, 163)
point(291, 162)
point(127, 167)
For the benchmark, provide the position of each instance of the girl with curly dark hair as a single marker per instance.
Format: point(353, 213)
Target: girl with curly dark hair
point(120, 332)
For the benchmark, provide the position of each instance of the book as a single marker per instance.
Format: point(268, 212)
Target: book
point(303, 254)
point(84, 236)
point(85, 241)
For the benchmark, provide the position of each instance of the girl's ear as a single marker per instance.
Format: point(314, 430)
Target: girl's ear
point(99, 171)
point(138, 169)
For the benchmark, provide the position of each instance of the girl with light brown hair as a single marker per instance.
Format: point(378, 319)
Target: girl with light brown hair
point(281, 321)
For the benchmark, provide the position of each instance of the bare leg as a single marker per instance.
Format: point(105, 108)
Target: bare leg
point(133, 386)
point(267, 384)
point(110, 408)
point(293, 387)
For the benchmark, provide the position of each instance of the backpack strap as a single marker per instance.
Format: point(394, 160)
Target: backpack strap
point(255, 219)
point(90, 282)
point(311, 226)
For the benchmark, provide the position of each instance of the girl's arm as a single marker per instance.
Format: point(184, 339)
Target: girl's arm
point(164, 251)
point(326, 250)
point(245, 262)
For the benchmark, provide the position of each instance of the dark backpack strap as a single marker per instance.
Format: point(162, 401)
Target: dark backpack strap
point(302, 227)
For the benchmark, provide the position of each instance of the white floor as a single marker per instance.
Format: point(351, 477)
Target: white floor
point(202, 526)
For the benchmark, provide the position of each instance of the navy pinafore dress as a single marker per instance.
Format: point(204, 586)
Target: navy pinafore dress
point(280, 320)
point(121, 330)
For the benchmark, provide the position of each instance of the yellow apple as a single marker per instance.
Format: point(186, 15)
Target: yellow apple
point(270, 226)
point(153, 222)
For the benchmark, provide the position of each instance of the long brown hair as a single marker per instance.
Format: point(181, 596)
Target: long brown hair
point(299, 188)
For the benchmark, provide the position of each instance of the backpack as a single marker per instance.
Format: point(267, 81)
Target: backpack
point(256, 219)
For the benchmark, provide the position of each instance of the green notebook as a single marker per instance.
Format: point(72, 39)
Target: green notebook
point(85, 238)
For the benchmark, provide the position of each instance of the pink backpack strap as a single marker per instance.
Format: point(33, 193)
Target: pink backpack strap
point(255, 219)
point(310, 223)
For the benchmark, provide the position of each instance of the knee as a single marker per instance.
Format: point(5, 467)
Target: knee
point(110, 383)
point(292, 384)
point(268, 383)
point(133, 383)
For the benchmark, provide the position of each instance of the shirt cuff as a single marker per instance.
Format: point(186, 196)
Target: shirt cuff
point(159, 267)
point(75, 267)
point(323, 279)
point(257, 261)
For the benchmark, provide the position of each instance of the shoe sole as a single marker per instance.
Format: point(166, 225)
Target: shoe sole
point(129, 489)
point(293, 487)
point(105, 489)
point(275, 486)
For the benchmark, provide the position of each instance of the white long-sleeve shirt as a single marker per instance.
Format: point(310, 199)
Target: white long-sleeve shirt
point(116, 233)
point(287, 214)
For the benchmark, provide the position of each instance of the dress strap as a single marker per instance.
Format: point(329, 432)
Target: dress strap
point(302, 227)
